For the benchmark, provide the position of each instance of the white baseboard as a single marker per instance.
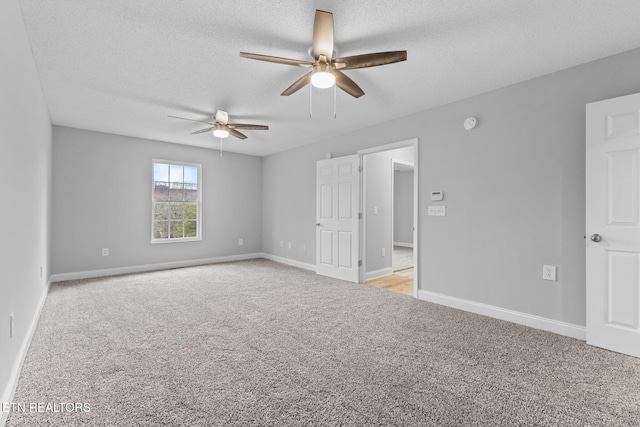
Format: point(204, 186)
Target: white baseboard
point(370, 275)
point(149, 267)
point(289, 261)
point(14, 376)
point(402, 244)
point(556, 326)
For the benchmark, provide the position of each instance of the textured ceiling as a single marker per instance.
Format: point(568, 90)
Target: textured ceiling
point(122, 66)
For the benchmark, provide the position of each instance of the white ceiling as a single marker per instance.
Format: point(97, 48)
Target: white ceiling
point(122, 66)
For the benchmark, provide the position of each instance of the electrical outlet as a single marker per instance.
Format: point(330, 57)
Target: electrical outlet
point(289, 245)
point(105, 251)
point(240, 242)
point(11, 325)
point(384, 252)
point(549, 272)
point(281, 244)
point(304, 248)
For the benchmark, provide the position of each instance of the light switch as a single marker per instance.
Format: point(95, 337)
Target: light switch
point(436, 210)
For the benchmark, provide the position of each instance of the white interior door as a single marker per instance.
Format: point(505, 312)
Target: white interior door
point(613, 224)
point(337, 227)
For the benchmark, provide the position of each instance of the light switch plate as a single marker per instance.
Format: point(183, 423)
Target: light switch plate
point(435, 210)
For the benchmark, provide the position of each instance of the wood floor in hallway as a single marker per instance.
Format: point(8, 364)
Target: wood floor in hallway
point(400, 282)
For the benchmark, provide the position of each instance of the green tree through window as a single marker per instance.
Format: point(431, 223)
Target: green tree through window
point(176, 201)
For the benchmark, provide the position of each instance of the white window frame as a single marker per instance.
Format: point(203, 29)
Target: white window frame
point(198, 166)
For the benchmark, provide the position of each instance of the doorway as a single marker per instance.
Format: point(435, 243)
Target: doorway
point(389, 254)
point(402, 215)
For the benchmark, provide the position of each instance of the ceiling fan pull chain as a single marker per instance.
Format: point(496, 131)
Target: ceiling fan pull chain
point(310, 100)
point(220, 147)
point(335, 114)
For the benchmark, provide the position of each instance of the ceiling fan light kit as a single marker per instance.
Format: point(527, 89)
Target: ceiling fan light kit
point(323, 79)
point(221, 133)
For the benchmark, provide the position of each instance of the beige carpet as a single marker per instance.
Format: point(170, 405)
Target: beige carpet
point(260, 343)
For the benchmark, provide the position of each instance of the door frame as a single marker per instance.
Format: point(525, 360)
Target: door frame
point(413, 142)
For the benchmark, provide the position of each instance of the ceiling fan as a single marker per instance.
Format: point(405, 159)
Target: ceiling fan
point(326, 70)
point(222, 128)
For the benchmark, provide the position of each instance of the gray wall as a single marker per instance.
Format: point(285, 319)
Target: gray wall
point(102, 198)
point(403, 207)
point(378, 227)
point(25, 173)
point(289, 203)
point(514, 189)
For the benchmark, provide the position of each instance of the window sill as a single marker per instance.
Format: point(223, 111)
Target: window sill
point(162, 241)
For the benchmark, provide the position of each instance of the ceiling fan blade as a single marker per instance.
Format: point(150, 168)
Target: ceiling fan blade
point(237, 134)
point(348, 85)
point(191, 120)
point(246, 126)
point(370, 60)
point(202, 131)
point(298, 84)
point(276, 59)
point(323, 34)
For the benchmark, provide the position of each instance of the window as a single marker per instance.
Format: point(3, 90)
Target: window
point(176, 199)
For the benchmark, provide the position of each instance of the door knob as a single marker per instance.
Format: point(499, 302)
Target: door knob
point(317, 224)
point(596, 238)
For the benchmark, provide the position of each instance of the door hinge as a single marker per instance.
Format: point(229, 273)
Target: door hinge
point(359, 215)
point(359, 168)
point(359, 263)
